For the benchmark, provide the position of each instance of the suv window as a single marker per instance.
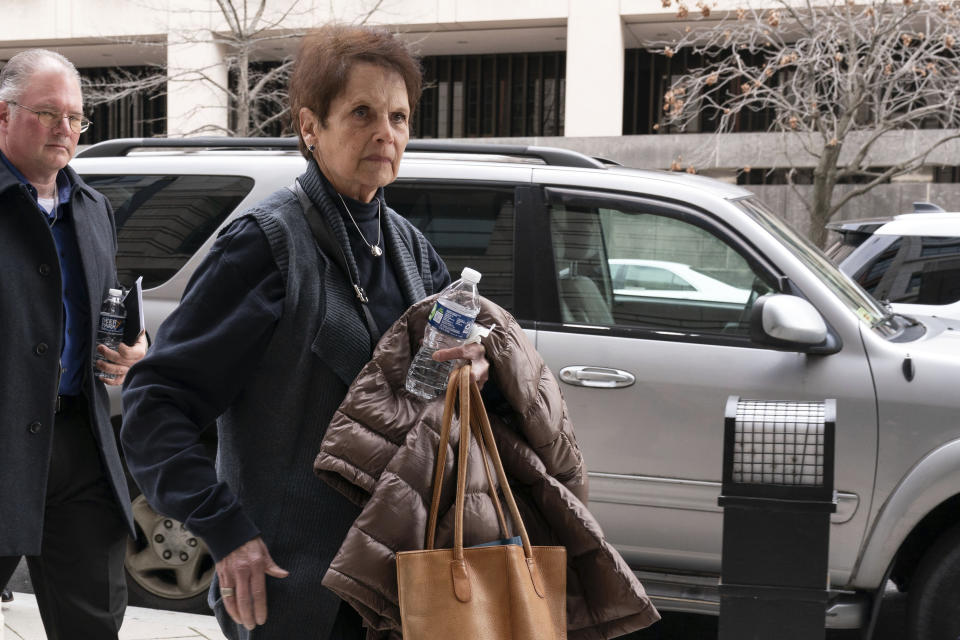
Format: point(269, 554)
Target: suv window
point(927, 270)
point(631, 264)
point(468, 225)
point(162, 220)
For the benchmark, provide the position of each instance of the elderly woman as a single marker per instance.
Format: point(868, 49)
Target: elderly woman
point(269, 334)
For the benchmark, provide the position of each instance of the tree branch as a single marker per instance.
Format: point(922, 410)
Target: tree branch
point(825, 71)
point(905, 166)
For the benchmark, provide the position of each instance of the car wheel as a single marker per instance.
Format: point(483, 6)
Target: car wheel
point(167, 566)
point(933, 613)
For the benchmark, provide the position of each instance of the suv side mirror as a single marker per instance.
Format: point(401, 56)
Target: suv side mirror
point(792, 324)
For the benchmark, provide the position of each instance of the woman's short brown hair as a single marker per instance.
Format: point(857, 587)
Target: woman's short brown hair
point(325, 58)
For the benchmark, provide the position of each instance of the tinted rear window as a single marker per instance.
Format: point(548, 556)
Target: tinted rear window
point(162, 220)
point(468, 225)
point(918, 270)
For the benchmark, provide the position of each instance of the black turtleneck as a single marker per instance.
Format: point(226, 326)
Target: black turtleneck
point(377, 275)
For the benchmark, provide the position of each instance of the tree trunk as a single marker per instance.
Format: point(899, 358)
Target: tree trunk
point(824, 180)
point(242, 108)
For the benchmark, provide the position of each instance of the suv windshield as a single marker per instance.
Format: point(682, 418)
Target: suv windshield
point(858, 300)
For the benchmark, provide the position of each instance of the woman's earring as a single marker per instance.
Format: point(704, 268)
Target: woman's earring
point(312, 148)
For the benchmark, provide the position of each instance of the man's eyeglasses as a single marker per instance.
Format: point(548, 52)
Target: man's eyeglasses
point(49, 119)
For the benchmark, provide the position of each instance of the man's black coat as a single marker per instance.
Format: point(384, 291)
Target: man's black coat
point(31, 339)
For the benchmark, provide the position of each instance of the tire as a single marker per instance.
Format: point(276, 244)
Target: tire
point(166, 566)
point(934, 593)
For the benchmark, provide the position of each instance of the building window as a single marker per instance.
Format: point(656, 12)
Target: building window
point(946, 174)
point(753, 176)
point(510, 94)
point(134, 113)
point(648, 76)
point(645, 75)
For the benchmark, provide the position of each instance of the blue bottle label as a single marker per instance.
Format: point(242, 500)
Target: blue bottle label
point(452, 319)
point(112, 325)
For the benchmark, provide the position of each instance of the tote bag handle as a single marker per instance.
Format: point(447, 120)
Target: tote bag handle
point(451, 396)
point(475, 416)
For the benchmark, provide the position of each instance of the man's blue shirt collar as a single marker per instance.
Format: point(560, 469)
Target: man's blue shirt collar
point(63, 188)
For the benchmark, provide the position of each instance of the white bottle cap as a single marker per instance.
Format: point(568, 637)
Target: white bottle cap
point(116, 293)
point(470, 275)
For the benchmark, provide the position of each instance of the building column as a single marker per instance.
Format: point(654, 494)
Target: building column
point(196, 103)
point(594, 92)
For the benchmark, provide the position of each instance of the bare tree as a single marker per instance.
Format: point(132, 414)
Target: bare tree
point(836, 74)
point(257, 94)
point(259, 97)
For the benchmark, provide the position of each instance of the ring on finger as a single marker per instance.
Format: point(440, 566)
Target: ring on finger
point(226, 592)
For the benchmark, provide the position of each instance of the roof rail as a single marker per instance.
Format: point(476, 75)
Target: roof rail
point(123, 146)
point(549, 155)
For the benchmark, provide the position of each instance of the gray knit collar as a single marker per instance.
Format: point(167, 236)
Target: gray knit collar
point(314, 184)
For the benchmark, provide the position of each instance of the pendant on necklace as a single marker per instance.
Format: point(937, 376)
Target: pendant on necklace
point(376, 251)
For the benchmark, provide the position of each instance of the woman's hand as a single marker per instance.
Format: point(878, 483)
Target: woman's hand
point(242, 576)
point(119, 362)
point(475, 353)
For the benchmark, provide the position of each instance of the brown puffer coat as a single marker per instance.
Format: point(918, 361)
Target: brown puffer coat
point(380, 450)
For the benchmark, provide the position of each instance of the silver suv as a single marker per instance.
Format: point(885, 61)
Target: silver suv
point(647, 356)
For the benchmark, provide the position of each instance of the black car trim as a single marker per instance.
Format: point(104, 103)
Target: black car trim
point(528, 257)
point(643, 333)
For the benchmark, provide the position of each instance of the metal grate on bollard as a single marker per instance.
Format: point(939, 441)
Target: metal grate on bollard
point(777, 498)
point(779, 449)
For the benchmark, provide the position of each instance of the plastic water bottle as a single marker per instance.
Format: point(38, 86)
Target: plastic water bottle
point(110, 329)
point(450, 323)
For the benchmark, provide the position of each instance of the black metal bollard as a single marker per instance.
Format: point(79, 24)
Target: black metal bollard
point(777, 498)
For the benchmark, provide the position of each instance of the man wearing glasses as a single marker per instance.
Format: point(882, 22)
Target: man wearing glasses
point(63, 495)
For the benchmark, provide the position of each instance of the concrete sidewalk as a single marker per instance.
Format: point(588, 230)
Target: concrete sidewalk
point(21, 621)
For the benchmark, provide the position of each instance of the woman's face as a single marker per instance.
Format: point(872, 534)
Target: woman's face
point(367, 130)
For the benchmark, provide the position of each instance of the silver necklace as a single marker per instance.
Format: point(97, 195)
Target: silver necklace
point(375, 249)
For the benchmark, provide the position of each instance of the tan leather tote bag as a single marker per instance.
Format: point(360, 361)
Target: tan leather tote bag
point(503, 592)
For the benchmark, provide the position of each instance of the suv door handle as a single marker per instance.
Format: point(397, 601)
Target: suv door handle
point(600, 377)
